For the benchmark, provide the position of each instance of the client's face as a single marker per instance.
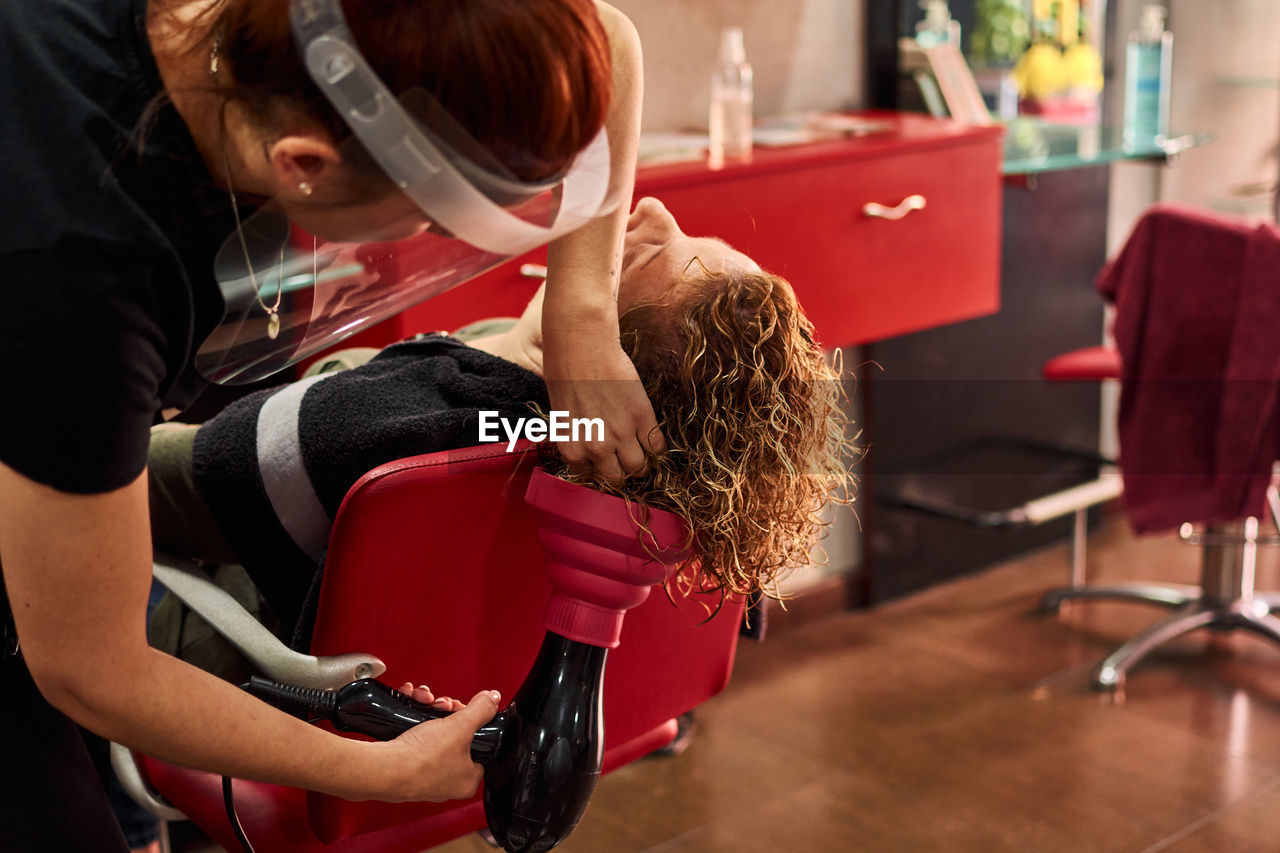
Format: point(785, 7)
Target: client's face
point(657, 254)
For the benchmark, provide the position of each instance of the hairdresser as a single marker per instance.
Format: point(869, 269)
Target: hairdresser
point(195, 189)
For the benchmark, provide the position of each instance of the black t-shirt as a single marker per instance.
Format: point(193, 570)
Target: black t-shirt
point(106, 245)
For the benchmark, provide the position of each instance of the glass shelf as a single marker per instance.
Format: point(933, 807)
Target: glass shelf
point(1032, 146)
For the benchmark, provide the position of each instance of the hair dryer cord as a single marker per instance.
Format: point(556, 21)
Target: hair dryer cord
point(232, 817)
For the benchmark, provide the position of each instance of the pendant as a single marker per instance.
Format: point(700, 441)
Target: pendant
point(273, 326)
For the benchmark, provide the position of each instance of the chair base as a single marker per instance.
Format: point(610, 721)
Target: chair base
point(1224, 600)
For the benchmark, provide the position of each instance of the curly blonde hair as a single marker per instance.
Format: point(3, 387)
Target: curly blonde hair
point(758, 443)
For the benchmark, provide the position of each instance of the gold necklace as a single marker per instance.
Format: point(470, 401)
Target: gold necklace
point(273, 310)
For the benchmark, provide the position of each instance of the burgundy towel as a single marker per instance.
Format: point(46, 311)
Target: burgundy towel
point(1198, 327)
point(1249, 424)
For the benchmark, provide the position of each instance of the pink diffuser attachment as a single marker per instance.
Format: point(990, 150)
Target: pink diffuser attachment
point(600, 559)
point(537, 786)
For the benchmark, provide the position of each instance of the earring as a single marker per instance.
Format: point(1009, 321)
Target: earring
point(305, 188)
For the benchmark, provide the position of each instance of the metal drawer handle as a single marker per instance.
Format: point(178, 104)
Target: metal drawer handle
point(879, 211)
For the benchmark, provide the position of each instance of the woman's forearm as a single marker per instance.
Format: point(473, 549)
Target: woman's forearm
point(588, 374)
point(166, 708)
point(583, 266)
point(77, 572)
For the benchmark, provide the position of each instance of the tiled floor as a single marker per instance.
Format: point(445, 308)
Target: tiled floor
point(961, 720)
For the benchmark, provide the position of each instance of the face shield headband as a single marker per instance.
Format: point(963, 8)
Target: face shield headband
point(294, 288)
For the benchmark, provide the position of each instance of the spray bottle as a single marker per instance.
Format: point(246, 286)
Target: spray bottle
point(731, 102)
point(1148, 69)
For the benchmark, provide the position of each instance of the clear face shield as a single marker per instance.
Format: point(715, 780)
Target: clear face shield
point(297, 278)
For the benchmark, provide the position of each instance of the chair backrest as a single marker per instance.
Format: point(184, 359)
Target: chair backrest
point(434, 566)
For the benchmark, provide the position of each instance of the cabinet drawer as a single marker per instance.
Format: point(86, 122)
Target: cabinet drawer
point(862, 278)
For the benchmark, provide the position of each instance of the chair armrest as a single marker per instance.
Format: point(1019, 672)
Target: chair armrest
point(125, 765)
point(217, 607)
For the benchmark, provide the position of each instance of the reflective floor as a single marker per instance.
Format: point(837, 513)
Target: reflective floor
point(961, 720)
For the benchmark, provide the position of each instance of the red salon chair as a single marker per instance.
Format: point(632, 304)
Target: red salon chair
point(1089, 363)
point(434, 565)
point(1225, 597)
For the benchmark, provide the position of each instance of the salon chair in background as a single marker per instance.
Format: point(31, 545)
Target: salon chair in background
point(1197, 328)
point(434, 566)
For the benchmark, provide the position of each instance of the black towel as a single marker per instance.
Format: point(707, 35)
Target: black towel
point(416, 397)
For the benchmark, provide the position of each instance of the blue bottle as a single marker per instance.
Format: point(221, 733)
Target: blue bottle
point(1148, 68)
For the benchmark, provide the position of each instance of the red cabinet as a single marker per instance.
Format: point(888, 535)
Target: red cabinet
point(802, 212)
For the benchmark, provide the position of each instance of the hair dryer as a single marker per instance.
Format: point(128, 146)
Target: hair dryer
point(542, 754)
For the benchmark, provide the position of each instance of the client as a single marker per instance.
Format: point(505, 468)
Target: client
point(757, 442)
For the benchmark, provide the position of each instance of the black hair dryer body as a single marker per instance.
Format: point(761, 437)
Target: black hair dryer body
point(538, 783)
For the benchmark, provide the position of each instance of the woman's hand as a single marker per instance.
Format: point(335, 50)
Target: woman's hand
point(433, 759)
point(589, 376)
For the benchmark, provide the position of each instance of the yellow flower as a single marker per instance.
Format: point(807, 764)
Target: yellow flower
point(1082, 68)
point(1040, 72)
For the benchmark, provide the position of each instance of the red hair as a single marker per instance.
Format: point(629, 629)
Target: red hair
point(528, 79)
